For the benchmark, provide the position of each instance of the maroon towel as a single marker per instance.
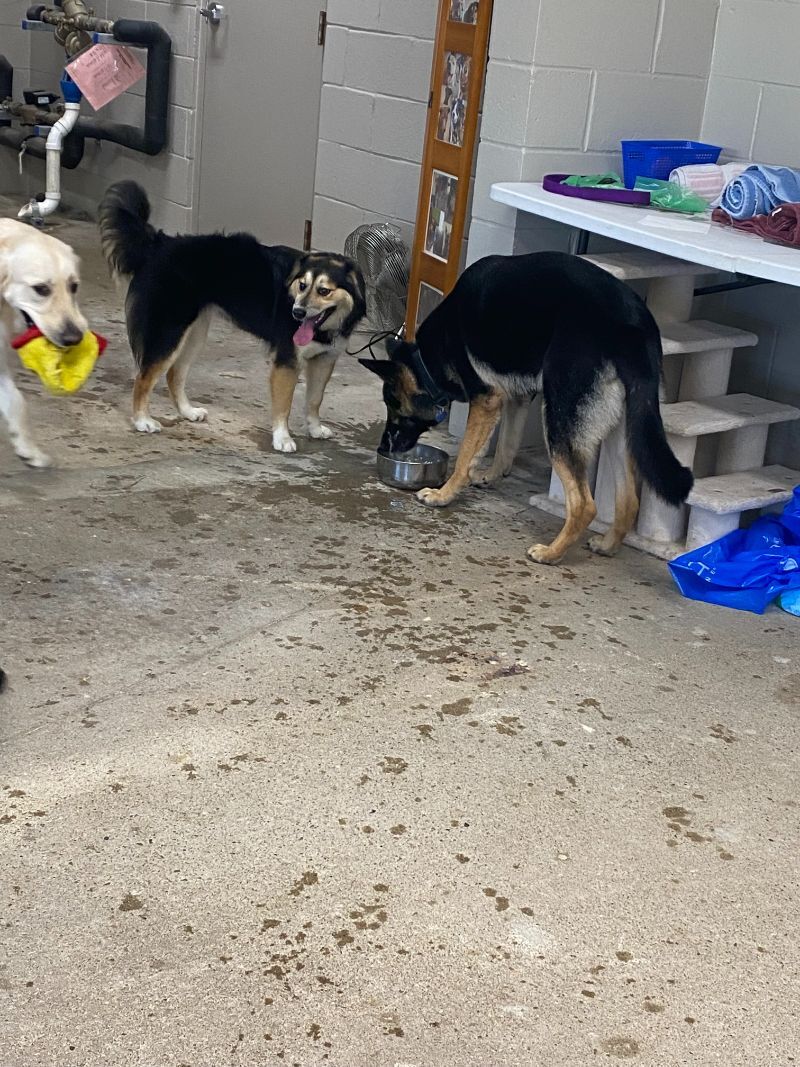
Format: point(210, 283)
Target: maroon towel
point(780, 227)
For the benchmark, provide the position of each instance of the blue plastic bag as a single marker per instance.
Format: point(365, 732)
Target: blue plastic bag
point(746, 569)
point(790, 602)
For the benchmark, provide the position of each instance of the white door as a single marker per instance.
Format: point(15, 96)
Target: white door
point(261, 97)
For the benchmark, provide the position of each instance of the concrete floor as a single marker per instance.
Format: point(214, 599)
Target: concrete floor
point(295, 771)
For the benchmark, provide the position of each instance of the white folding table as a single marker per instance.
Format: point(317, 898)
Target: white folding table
point(708, 245)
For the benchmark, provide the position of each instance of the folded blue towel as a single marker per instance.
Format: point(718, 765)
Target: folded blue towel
point(759, 190)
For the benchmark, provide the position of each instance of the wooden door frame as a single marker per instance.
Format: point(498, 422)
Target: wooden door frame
point(199, 113)
point(450, 160)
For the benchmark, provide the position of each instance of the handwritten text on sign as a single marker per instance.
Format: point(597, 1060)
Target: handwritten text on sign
point(105, 72)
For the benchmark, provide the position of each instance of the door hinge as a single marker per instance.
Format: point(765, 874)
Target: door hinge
point(322, 31)
point(307, 236)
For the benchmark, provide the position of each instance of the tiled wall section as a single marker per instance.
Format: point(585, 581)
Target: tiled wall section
point(169, 177)
point(376, 77)
point(566, 80)
point(751, 109)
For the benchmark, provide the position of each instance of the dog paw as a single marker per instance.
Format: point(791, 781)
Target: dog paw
point(144, 424)
point(282, 441)
point(599, 546)
point(319, 432)
point(483, 479)
point(195, 414)
point(433, 498)
point(541, 554)
point(34, 457)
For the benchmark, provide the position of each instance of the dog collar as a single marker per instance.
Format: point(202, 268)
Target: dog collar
point(440, 398)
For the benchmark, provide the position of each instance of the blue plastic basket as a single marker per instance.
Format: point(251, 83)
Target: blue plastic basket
point(655, 159)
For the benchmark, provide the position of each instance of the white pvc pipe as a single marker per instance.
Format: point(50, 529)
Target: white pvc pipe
point(39, 208)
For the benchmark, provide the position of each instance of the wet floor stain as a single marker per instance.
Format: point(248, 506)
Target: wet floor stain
point(393, 765)
point(130, 902)
point(621, 1048)
point(679, 819)
point(183, 516)
point(305, 881)
point(723, 733)
point(501, 903)
point(788, 692)
point(457, 707)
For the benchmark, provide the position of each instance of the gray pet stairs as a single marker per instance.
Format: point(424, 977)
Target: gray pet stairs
point(722, 437)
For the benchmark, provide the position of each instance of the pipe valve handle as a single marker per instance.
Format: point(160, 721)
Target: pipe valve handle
point(215, 13)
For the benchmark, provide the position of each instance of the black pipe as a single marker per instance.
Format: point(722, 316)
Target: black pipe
point(6, 79)
point(153, 138)
point(71, 150)
point(728, 287)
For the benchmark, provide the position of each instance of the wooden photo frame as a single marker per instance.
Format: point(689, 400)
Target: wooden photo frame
point(459, 64)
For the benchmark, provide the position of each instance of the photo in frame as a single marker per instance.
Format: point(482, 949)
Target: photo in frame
point(429, 300)
point(464, 11)
point(441, 213)
point(453, 98)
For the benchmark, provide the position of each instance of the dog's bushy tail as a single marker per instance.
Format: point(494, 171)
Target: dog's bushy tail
point(125, 229)
point(647, 442)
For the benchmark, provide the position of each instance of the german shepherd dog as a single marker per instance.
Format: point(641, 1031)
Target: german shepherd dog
point(514, 325)
point(301, 304)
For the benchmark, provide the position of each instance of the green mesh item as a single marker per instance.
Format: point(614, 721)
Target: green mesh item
point(669, 196)
point(594, 181)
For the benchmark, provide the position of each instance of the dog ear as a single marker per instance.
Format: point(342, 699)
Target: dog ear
point(382, 367)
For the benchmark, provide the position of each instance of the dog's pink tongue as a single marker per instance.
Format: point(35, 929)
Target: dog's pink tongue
point(304, 334)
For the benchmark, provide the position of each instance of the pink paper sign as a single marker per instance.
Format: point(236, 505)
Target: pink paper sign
point(104, 72)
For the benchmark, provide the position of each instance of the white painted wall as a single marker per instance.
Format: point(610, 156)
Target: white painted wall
point(169, 177)
point(376, 78)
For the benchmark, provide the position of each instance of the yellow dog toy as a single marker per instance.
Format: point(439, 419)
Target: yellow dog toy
point(63, 370)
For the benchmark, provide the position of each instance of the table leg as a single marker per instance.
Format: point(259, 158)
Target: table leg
point(578, 242)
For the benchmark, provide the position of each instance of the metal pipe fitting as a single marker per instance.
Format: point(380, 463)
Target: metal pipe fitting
point(73, 23)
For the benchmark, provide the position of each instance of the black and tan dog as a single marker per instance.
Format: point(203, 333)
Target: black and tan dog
point(303, 305)
point(512, 326)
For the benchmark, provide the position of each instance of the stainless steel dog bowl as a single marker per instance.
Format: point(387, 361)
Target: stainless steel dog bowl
point(424, 467)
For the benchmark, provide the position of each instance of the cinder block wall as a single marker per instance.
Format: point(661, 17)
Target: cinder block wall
point(15, 45)
point(376, 78)
point(169, 177)
point(566, 80)
point(752, 107)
